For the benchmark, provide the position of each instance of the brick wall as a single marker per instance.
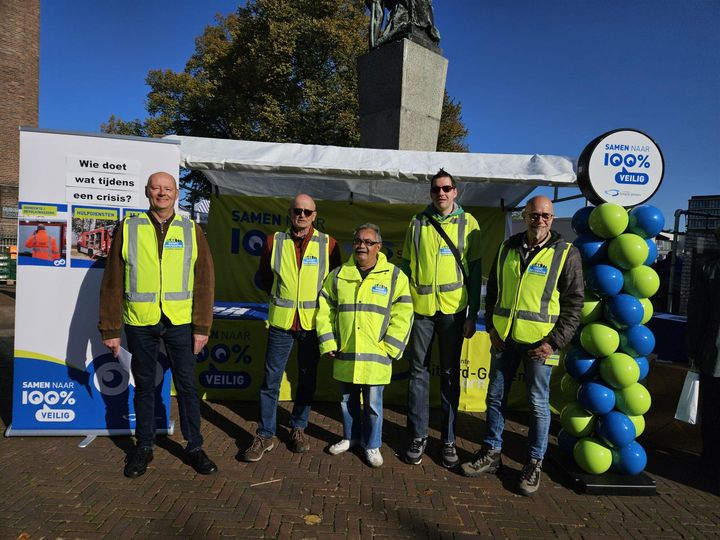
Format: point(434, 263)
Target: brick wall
point(19, 59)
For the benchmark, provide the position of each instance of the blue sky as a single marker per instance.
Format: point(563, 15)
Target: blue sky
point(533, 77)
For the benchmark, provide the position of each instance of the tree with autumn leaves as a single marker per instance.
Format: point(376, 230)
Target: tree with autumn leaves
point(275, 70)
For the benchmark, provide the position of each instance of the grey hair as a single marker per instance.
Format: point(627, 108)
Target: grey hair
point(371, 227)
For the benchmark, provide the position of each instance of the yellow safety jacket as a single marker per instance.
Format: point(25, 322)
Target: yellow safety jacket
point(436, 282)
point(297, 288)
point(367, 321)
point(528, 303)
point(154, 286)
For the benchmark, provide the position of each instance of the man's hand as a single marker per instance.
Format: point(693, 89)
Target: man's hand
point(469, 328)
point(498, 343)
point(114, 345)
point(199, 341)
point(541, 353)
point(332, 354)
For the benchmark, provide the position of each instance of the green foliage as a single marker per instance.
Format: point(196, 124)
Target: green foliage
point(452, 134)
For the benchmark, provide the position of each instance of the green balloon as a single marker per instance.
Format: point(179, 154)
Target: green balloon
point(641, 281)
point(608, 220)
point(569, 387)
point(639, 423)
point(592, 308)
point(599, 339)
point(628, 251)
point(633, 400)
point(647, 310)
point(576, 420)
point(592, 455)
point(619, 370)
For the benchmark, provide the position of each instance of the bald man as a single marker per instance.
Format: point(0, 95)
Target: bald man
point(292, 268)
point(534, 297)
point(159, 282)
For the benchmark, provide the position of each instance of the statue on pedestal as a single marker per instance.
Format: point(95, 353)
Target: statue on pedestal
point(412, 19)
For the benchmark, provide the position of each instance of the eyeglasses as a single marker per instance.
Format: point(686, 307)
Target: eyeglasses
point(446, 189)
point(305, 211)
point(368, 243)
point(534, 216)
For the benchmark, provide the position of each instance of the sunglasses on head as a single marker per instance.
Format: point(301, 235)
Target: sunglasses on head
point(368, 243)
point(446, 189)
point(305, 211)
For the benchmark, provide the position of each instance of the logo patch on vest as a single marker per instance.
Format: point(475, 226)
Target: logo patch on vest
point(310, 260)
point(538, 269)
point(379, 289)
point(173, 243)
point(445, 251)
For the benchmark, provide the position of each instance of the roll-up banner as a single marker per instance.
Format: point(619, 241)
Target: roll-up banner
point(73, 189)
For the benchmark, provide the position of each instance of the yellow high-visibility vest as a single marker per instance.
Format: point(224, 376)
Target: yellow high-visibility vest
point(367, 321)
point(297, 289)
point(154, 286)
point(436, 280)
point(528, 303)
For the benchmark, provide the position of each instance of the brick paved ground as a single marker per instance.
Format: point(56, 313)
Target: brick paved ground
point(53, 489)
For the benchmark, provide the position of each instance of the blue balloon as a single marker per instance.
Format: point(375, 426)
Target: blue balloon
point(644, 367)
point(596, 398)
point(579, 221)
point(566, 442)
point(623, 310)
point(629, 459)
point(615, 428)
point(646, 221)
point(581, 365)
point(604, 280)
point(593, 249)
point(652, 252)
point(637, 340)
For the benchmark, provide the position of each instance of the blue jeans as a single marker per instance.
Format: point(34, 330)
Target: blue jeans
point(503, 366)
point(365, 427)
point(143, 344)
point(449, 329)
point(279, 346)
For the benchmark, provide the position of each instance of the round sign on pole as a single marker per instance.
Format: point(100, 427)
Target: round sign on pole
point(623, 166)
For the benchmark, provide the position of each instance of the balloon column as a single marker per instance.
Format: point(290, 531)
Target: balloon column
point(600, 425)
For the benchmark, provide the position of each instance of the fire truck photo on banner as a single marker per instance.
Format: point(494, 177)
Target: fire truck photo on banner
point(92, 230)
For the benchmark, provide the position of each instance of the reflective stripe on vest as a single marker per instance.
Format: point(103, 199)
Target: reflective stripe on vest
point(293, 288)
point(153, 285)
point(512, 312)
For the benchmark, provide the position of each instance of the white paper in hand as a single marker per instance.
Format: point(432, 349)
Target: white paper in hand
point(124, 358)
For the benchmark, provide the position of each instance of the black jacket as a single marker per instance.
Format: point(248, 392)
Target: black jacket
point(570, 286)
point(703, 324)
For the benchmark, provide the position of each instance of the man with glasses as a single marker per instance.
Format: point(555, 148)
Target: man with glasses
point(293, 265)
point(442, 259)
point(363, 324)
point(534, 297)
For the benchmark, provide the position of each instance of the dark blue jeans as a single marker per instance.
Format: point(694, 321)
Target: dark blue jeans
point(279, 345)
point(503, 366)
point(449, 330)
point(143, 344)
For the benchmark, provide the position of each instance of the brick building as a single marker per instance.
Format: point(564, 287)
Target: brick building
point(19, 66)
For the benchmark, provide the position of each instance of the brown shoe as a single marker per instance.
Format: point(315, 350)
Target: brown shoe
point(299, 443)
point(258, 448)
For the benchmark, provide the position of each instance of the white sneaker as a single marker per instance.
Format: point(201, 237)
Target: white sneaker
point(342, 446)
point(374, 457)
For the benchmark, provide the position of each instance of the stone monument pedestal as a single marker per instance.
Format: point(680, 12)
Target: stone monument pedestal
point(401, 86)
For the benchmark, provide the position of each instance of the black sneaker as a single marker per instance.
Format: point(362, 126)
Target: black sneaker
point(137, 463)
point(485, 461)
point(530, 477)
point(413, 455)
point(200, 462)
point(449, 455)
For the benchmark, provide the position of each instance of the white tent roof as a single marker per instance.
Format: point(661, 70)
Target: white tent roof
point(395, 176)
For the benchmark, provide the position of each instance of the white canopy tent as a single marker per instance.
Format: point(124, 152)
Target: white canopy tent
point(365, 174)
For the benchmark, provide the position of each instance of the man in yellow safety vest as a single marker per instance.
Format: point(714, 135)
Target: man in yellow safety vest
point(159, 281)
point(442, 259)
point(293, 265)
point(363, 324)
point(534, 297)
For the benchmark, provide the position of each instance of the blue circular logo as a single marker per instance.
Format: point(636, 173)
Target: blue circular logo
point(253, 242)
